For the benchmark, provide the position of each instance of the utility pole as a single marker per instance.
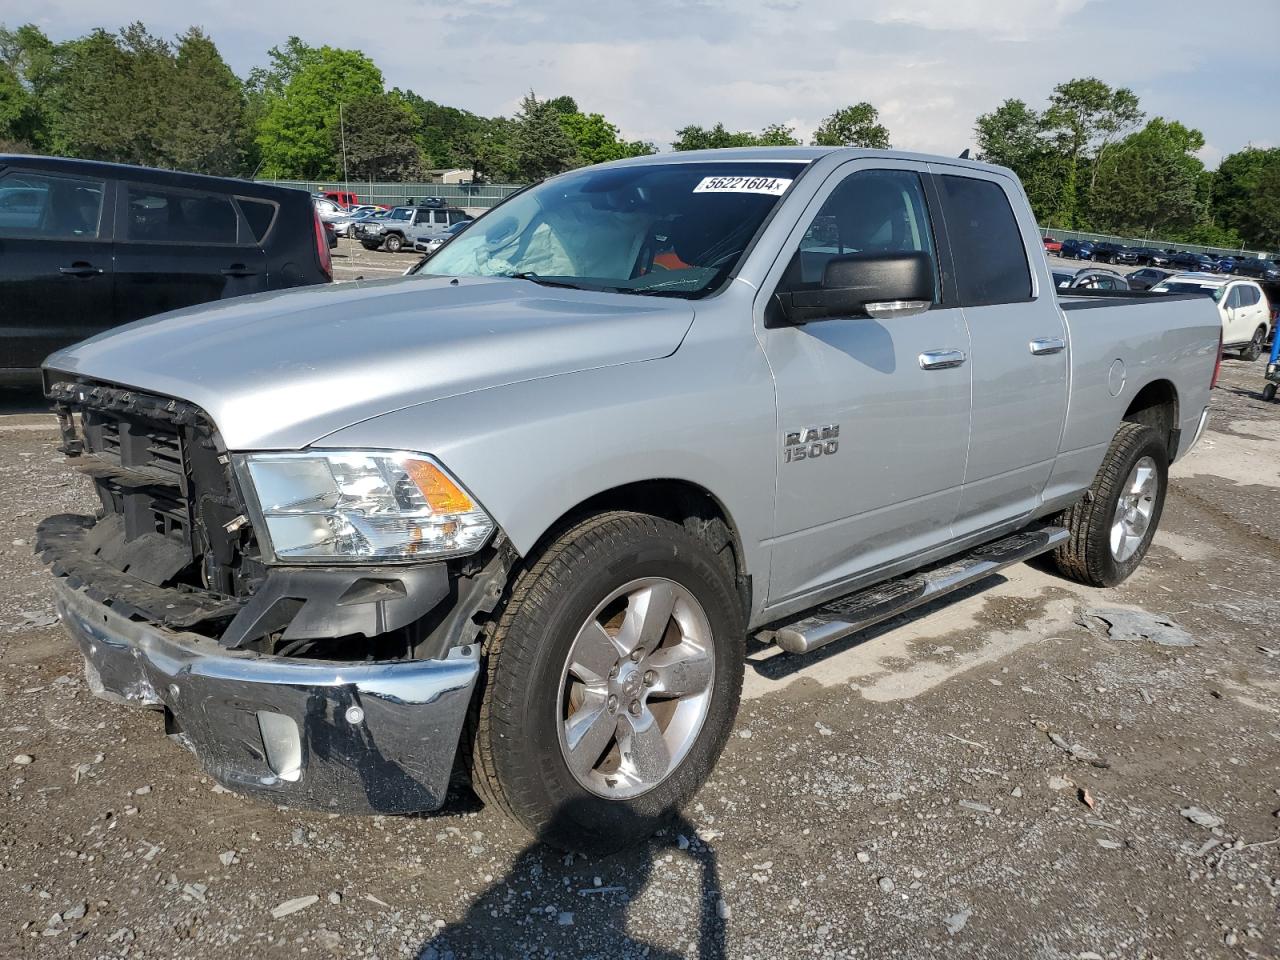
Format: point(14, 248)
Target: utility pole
point(342, 133)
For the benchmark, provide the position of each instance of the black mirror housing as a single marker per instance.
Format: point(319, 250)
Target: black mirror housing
point(902, 283)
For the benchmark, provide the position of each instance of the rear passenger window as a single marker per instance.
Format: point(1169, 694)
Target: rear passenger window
point(51, 208)
point(171, 216)
point(990, 259)
point(259, 214)
point(1249, 296)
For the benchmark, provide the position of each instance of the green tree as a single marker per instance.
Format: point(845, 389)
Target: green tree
point(1085, 117)
point(854, 126)
point(1014, 135)
point(377, 133)
point(596, 140)
point(205, 110)
point(1239, 192)
point(540, 147)
point(296, 133)
point(1150, 183)
point(29, 60)
point(694, 137)
point(15, 103)
point(777, 135)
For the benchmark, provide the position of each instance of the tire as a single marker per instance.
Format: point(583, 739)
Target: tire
point(394, 243)
point(520, 729)
point(1089, 555)
point(1253, 349)
point(1269, 392)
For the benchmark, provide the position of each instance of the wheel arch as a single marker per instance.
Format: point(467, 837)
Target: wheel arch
point(681, 501)
point(1156, 406)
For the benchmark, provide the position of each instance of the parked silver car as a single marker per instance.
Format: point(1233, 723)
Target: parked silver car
point(405, 225)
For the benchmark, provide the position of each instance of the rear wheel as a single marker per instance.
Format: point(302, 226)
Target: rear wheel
point(612, 682)
point(1254, 348)
point(1112, 527)
point(1269, 392)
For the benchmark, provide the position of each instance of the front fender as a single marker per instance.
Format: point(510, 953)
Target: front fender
point(532, 451)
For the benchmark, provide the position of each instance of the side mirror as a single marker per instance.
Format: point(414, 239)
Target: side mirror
point(878, 285)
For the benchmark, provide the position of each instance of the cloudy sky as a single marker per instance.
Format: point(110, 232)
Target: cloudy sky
point(930, 66)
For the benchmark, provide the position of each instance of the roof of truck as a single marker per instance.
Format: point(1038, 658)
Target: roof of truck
point(797, 155)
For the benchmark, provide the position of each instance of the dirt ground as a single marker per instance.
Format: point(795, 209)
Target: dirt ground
point(998, 776)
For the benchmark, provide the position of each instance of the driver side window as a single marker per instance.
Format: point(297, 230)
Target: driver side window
point(871, 211)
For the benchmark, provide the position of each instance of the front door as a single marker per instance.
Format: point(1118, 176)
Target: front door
point(176, 248)
point(874, 426)
point(55, 264)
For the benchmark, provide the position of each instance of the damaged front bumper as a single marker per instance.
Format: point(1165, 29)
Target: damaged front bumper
point(344, 737)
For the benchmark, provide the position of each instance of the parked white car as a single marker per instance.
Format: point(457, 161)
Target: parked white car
point(328, 210)
point(1245, 312)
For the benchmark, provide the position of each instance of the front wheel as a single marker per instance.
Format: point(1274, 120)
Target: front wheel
point(1113, 525)
point(1253, 350)
point(612, 682)
point(394, 243)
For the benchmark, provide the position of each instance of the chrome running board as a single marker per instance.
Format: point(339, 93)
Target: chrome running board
point(857, 611)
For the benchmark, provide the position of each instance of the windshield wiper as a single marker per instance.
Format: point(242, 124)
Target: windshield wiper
point(546, 281)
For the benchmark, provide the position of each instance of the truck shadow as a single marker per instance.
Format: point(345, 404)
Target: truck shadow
point(554, 904)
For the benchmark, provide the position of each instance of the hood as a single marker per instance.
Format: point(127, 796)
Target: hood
point(281, 370)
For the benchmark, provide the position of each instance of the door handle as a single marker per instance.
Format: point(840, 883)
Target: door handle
point(1040, 348)
point(238, 270)
point(941, 359)
point(80, 269)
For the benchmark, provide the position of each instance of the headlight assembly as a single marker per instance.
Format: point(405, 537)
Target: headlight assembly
point(333, 506)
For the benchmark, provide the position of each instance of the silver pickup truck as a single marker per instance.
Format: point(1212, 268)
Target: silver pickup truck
point(525, 510)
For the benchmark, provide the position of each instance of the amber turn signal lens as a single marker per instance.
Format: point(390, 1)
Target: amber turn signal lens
point(441, 493)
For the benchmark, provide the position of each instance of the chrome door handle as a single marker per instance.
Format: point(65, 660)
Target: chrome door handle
point(941, 359)
point(1040, 348)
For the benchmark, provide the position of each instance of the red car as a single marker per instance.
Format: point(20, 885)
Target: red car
point(343, 198)
point(1051, 245)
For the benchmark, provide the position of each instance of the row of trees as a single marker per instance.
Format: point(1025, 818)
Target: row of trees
point(1091, 160)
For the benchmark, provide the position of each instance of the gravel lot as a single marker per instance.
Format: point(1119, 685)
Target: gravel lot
point(999, 776)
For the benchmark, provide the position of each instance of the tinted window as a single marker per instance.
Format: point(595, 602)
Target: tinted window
point(54, 208)
point(458, 216)
point(259, 214)
point(167, 216)
point(1249, 296)
point(871, 211)
point(990, 260)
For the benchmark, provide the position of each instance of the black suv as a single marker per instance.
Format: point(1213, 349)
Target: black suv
point(1108, 252)
point(85, 246)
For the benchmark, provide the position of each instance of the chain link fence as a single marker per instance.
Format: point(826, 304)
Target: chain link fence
point(474, 196)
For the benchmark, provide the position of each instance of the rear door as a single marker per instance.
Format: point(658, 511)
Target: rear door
point(178, 247)
point(873, 414)
point(1019, 349)
point(55, 263)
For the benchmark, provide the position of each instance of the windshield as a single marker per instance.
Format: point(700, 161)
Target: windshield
point(1187, 287)
point(675, 229)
